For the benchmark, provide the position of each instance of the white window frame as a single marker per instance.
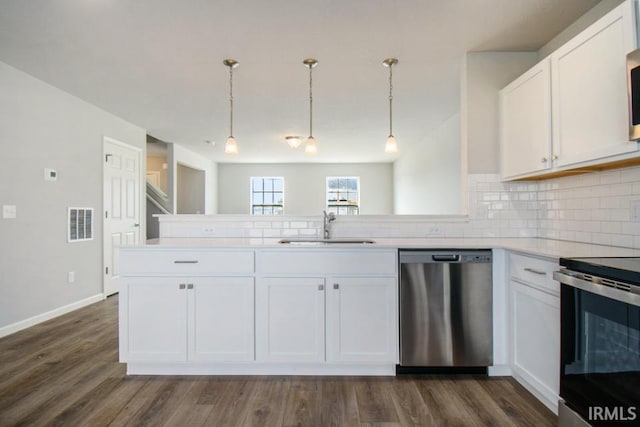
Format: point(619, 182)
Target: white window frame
point(251, 194)
point(326, 191)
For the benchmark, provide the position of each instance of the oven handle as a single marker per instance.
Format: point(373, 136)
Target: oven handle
point(603, 290)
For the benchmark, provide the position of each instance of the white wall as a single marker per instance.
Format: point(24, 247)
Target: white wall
point(179, 154)
point(44, 127)
point(304, 185)
point(427, 176)
point(485, 73)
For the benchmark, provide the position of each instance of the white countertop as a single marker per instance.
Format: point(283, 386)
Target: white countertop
point(540, 247)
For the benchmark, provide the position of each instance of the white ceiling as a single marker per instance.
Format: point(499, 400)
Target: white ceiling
point(158, 64)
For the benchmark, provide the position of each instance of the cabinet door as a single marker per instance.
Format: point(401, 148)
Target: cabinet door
point(536, 338)
point(525, 123)
point(362, 320)
point(290, 319)
point(156, 315)
point(589, 75)
point(221, 319)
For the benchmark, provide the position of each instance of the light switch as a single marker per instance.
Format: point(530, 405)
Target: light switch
point(9, 211)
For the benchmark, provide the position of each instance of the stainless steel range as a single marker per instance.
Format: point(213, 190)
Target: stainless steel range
point(600, 341)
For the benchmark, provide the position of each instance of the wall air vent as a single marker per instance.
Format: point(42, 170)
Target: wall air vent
point(80, 224)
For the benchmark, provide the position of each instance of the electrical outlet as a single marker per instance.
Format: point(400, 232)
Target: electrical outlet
point(208, 230)
point(434, 230)
point(634, 208)
point(71, 276)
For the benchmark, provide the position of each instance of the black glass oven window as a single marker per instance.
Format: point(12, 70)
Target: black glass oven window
point(600, 351)
point(635, 96)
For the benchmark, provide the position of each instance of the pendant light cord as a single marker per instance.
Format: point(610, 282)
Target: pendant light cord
point(231, 101)
point(390, 100)
point(310, 101)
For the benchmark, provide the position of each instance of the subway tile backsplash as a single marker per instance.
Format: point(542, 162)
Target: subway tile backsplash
point(592, 208)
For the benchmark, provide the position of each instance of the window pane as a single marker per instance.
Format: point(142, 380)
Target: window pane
point(268, 185)
point(278, 184)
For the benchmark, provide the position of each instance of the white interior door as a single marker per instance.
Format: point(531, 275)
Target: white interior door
point(121, 206)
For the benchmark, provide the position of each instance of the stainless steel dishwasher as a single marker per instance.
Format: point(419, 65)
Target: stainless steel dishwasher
point(446, 308)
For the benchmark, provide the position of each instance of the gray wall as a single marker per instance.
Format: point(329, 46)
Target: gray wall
point(597, 12)
point(191, 190)
point(486, 74)
point(42, 126)
point(304, 185)
point(427, 176)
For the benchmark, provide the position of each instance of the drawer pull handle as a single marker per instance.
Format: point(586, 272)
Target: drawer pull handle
point(190, 286)
point(182, 286)
point(185, 262)
point(321, 287)
point(531, 270)
point(336, 286)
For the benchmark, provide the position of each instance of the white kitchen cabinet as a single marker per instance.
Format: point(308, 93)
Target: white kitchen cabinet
point(156, 315)
point(290, 318)
point(525, 123)
point(221, 316)
point(535, 327)
point(362, 319)
point(590, 113)
point(180, 319)
point(584, 120)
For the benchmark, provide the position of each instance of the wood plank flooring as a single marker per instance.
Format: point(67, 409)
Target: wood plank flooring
point(65, 372)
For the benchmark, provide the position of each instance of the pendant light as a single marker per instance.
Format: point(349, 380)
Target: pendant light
point(231, 147)
point(310, 147)
point(391, 146)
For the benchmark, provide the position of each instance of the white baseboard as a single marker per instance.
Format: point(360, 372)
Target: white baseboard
point(539, 390)
point(23, 324)
point(499, 371)
point(253, 368)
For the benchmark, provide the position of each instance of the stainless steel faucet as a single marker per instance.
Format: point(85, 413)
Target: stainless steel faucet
point(328, 218)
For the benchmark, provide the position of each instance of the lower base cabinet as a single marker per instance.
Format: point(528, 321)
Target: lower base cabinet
point(362, 322)
point(188, 319)
point(536, 340)
point(355, 316)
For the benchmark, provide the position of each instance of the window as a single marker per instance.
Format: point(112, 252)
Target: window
point(343, 195)
point(267, 195)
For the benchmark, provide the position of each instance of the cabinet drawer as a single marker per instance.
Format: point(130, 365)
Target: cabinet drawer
point(535, 271)
point(188, 262)
point(336, 261)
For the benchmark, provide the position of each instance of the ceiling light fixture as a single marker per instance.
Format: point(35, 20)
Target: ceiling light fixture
point(311, 147)
point(294, 141)
point(391, 146)
point(231, 146)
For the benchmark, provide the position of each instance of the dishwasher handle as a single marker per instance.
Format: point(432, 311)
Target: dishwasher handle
point(446, 258)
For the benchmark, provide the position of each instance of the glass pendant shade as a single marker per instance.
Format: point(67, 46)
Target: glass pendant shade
point(311, 147)
point(391, 146)
point(294, 141)
point(231, 147)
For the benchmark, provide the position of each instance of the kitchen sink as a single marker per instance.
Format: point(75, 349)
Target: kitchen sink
point(325, 241)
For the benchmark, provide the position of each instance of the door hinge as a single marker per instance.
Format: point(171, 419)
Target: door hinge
point(106, 270)
point(106, 157)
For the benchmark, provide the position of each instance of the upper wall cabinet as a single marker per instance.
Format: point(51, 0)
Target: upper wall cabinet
point(589, 90)
point(577, 117)
point(525, 123)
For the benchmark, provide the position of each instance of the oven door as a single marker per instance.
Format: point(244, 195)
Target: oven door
point(600, 351)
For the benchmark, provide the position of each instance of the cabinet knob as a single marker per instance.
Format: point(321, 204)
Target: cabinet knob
point(321, 287)
point(555, 157)
point(544, 160)
point(182, 286)
point(190, 286)
point(336, 286)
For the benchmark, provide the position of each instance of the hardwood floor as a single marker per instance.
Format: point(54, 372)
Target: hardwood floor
point(65, 372)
